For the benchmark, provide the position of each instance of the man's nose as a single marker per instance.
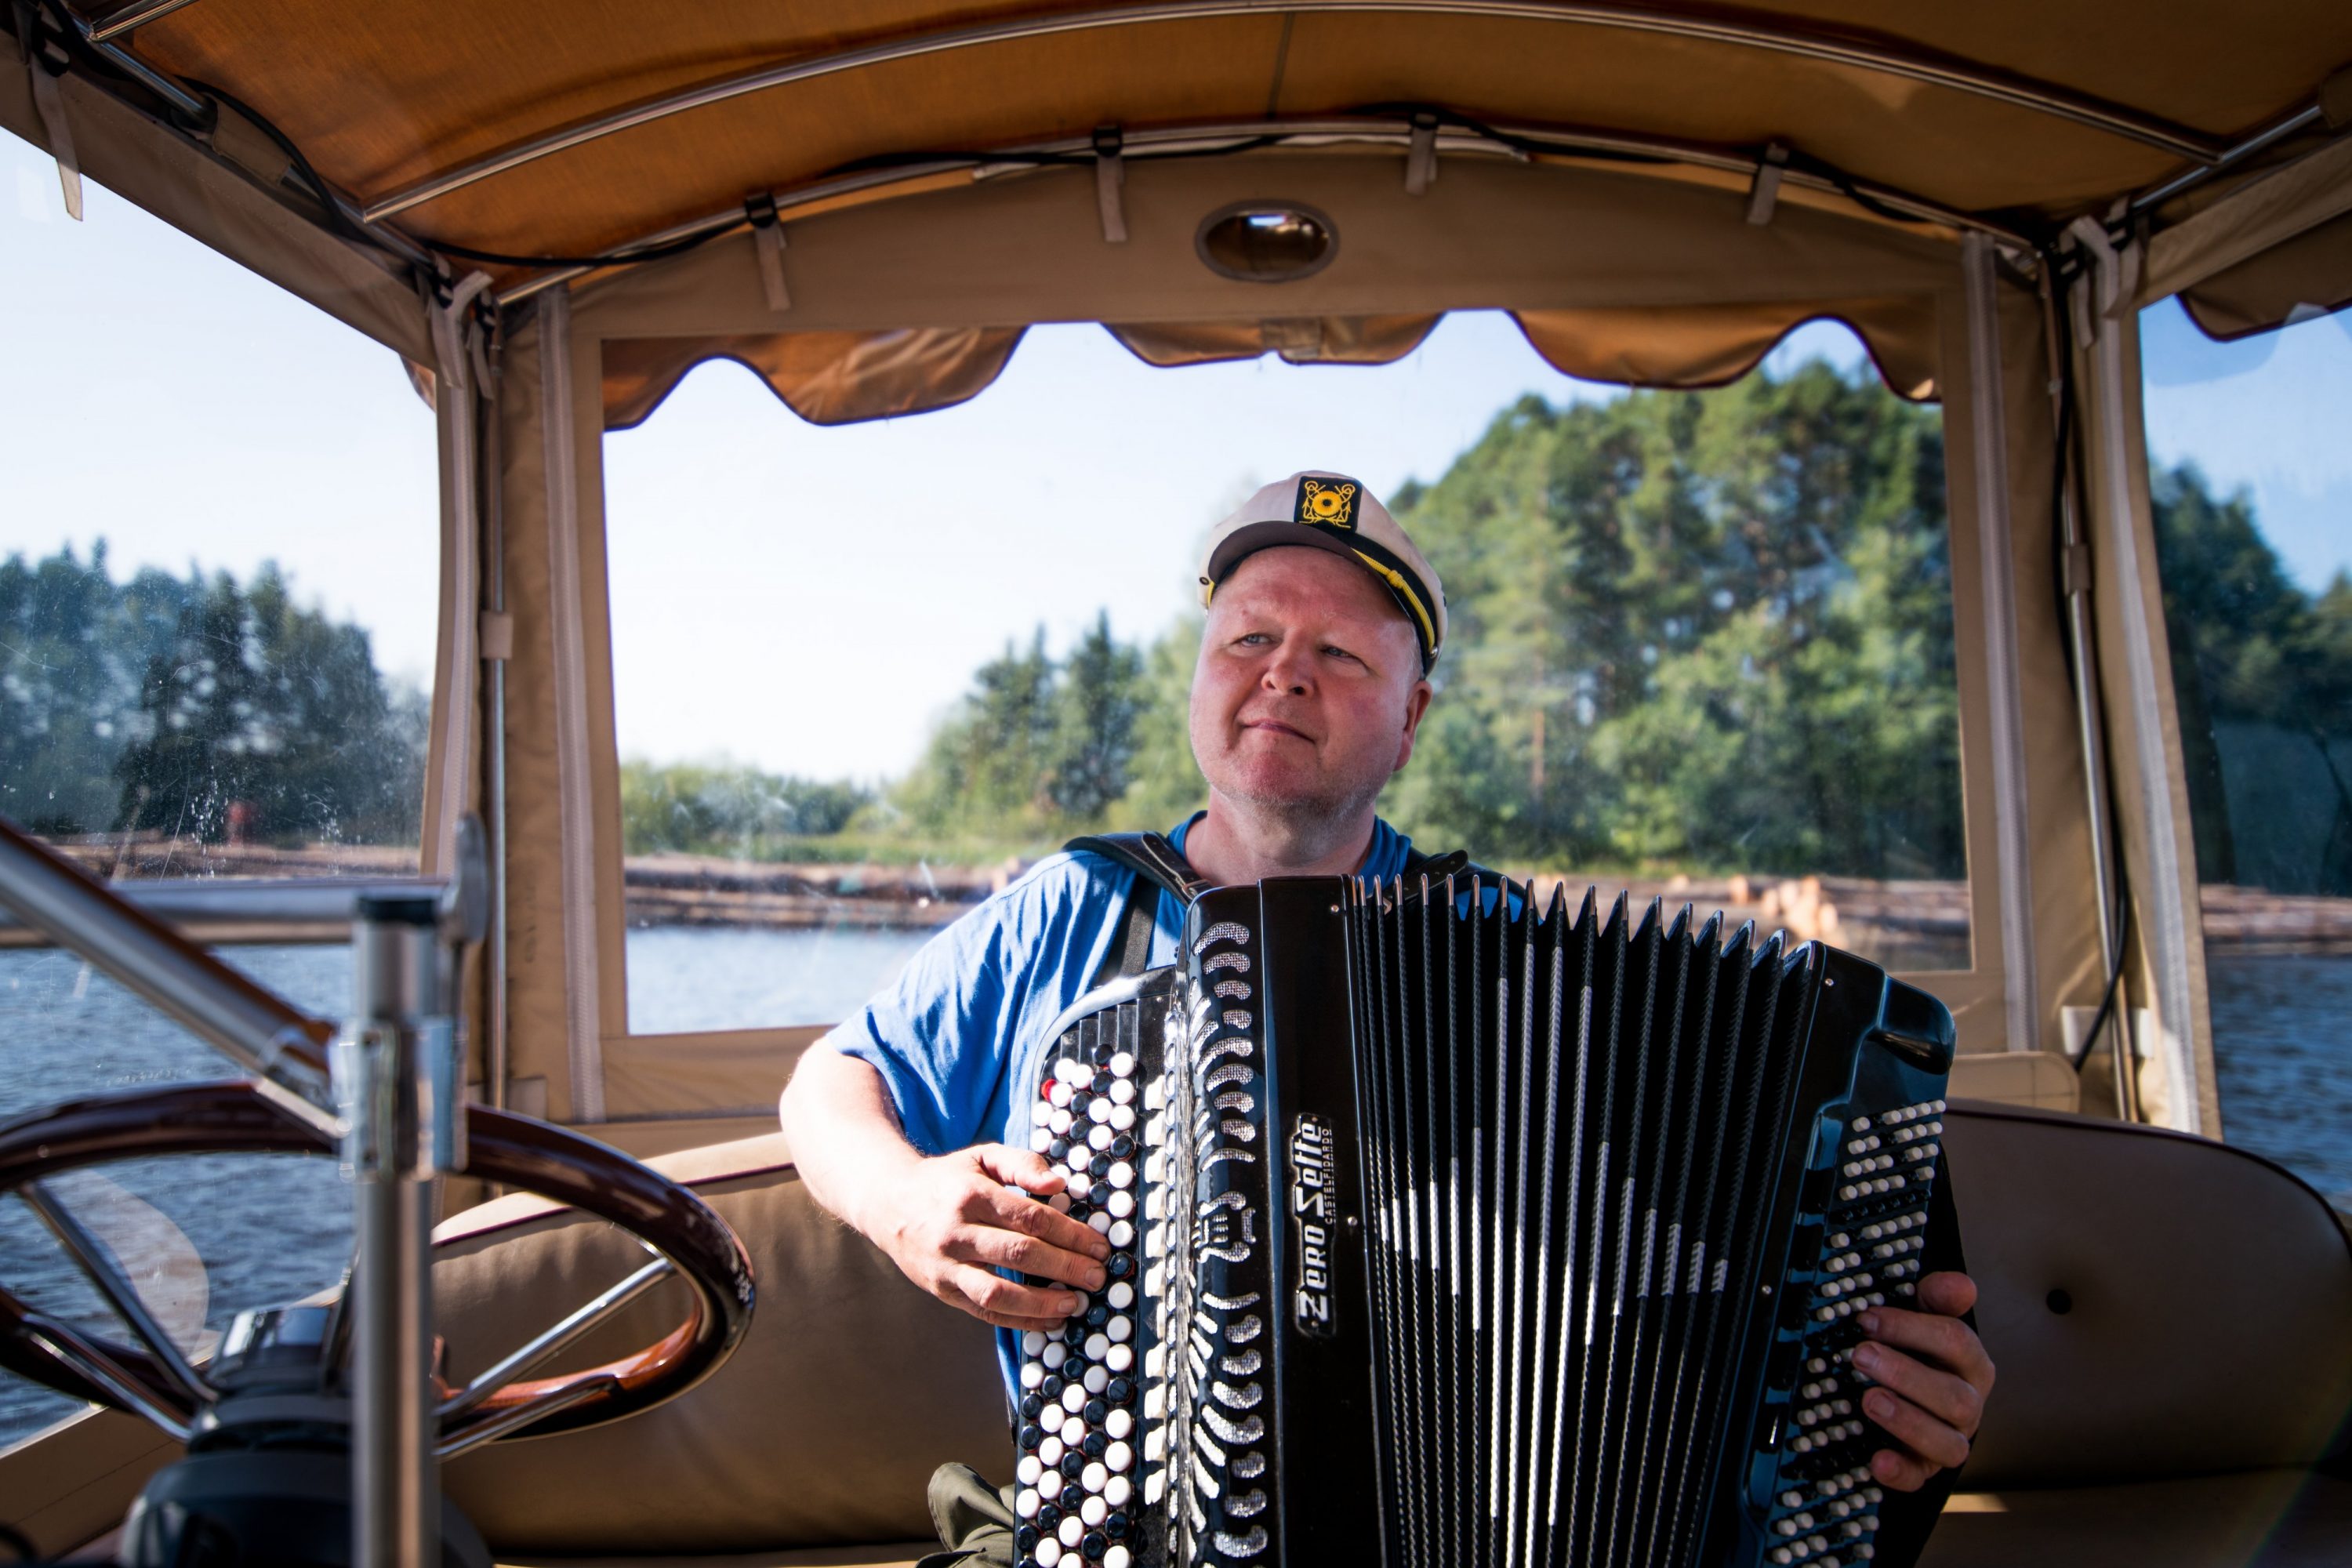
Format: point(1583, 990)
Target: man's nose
point(1289, 672)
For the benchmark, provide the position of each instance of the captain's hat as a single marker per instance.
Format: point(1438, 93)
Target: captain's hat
point(1334, 512)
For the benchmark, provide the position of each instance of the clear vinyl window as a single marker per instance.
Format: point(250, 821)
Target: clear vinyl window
point(1702, 644)
point(218, 585)
point(2251, 486)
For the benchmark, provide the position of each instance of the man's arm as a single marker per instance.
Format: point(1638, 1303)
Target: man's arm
point(948, 1223)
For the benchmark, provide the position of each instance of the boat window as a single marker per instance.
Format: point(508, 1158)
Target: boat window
point(218, 563)
point(1702, 643)
point(219, 598)
point(2251, 487)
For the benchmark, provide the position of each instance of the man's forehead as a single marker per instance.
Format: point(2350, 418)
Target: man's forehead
point(1291, 576)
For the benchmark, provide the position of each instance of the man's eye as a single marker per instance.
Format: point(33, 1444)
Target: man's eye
point(1253, 640)
point(1341, 653)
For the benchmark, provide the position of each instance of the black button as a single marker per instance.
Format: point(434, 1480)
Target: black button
point(1100, 1194)
point(1052, 1387)
point(1098, 1315)
point(1120, 1266)
point(1032, 1407)
point(1079, 1103)
point(1049, 1513)
point(1027, 1536)
point(1096, 1412)
point(1121, 1146)
point(1094, 1445)
point(1119, 1391)
point(1080, 1210)
point(1099, 1167)
point(1093, 1545)
point(1074, 1497)
point(1059, 1149)
point(1115, 1525)
point(1074, 1333)
point(1031, 1436)
point(1101, 1084)
point(1074, 1464)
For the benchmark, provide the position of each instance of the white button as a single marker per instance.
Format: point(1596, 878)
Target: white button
point(1122, 1205)
point(1100, 1139)
point(1123, 1065)
point(1116, 1491)
point(1121, 1357)
point(1122, 1174)
point(1074, 1430)
point(1094, 1510)
point(1096, 1380)
point(1028, 1469)
point(1060, 1202)
point(1100, 1108)
point(1097, 1346)
point(1060, 1095)
point(1040, 1139)
point(1100, 1222)
point(1049, 1452)
point(1033, 1343)
point(1049, 1551)
point(1116, 1557)
point(1121, 1235)
point(1032, 1372)
point(1061, 1119)
point(1026, 1505)
point(1122, 1093)
point(1074, 1399)
point(1119, 1423)
point(1118, 1456)
point(1121, 1329)
point(1122, 1116)
point(1092, 1478)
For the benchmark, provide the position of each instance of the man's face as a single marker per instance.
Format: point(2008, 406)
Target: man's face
point(1309, 688)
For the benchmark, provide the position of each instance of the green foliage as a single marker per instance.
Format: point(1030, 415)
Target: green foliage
point(1695, 630)
point(725, 809)
point(181, 705)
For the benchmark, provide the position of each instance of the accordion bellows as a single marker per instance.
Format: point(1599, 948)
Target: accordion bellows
point(1451, 1231)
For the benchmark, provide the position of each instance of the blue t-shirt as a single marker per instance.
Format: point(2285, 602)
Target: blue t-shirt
point(967, 1019)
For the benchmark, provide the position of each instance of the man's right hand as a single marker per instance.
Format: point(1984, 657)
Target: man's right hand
point(949, 1223)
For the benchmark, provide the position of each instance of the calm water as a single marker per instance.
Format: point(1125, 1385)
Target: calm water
point(271, 1229)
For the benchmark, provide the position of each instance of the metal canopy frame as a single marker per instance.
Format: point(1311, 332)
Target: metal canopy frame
point(1856, 50)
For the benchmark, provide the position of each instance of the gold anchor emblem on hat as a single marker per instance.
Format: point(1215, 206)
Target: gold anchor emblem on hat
point(1328, 501)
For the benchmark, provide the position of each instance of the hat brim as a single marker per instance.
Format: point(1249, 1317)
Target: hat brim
point(1250, 538)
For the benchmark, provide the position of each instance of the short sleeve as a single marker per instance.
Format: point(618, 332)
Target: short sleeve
point(946, 1034)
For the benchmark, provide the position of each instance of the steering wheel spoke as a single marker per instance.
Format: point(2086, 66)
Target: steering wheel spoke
point(99, 1262)
point(554, 1339)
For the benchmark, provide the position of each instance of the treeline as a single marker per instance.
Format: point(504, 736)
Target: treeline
point(196, 707)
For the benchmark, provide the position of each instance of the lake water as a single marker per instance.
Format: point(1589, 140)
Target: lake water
point(272, 1229)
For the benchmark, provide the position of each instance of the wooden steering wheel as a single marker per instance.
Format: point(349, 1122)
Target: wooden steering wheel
point(154, 1379)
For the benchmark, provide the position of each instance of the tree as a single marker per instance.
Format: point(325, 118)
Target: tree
point(1097, 703)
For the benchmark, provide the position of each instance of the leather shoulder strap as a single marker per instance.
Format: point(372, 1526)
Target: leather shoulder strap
point(1148, 855)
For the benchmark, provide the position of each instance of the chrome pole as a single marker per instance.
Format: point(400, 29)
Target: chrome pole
point(398, 1084)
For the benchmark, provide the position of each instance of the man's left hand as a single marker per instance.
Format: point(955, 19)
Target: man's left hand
point(1933, 1378)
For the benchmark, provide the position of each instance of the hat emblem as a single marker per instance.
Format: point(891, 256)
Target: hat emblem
point(1331, 502)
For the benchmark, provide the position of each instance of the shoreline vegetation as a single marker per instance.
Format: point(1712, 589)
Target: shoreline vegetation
point(1907, 924)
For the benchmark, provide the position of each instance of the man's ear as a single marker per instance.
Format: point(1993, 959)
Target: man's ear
point(1416, 703)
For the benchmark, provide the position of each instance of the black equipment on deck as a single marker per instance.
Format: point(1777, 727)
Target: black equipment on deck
point(1451, 1231)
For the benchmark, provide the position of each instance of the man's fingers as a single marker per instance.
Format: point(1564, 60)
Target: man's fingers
point(1006, 1303)
point(1002, 1163)
point(1013, 1211)
point(1925, 1437)
point(1025, 1254)
point(1948, 1399)
point(1945, 1341)
point(1948, 1294)
point(1900, 1472)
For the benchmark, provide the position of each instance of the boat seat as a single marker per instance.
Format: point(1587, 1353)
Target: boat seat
point(2169, 1316)
point(814, 1441)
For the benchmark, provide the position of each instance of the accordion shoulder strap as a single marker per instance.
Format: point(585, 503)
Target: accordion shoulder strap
point(1149, 855)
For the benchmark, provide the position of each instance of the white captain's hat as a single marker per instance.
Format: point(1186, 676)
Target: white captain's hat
point(1334, 512)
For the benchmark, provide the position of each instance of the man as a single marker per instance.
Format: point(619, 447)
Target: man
point(1324, 621)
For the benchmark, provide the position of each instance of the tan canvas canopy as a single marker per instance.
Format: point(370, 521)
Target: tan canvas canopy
point(557, 210)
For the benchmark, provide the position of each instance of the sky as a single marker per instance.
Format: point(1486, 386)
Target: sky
point(807, 599)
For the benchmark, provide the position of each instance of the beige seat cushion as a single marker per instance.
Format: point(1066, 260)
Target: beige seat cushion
point(849, 1389)
point(2266, 1519)
point(2211, 1298)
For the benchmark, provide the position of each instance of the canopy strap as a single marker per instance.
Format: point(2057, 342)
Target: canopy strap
point(768, 243)
point(1421, 154)
point(1764, 194)
point(1110, 173)
point(51, 104)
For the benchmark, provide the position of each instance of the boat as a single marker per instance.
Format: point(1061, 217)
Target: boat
point(543, 211)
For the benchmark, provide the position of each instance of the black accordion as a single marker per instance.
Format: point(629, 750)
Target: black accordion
point(1451, 1231)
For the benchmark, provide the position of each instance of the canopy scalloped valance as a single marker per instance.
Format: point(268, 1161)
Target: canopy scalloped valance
point(845, 377)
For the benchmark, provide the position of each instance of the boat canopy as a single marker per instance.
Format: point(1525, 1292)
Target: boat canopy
point(553, 212)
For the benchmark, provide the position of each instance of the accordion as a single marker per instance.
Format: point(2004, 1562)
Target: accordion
point(1451, 1231)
